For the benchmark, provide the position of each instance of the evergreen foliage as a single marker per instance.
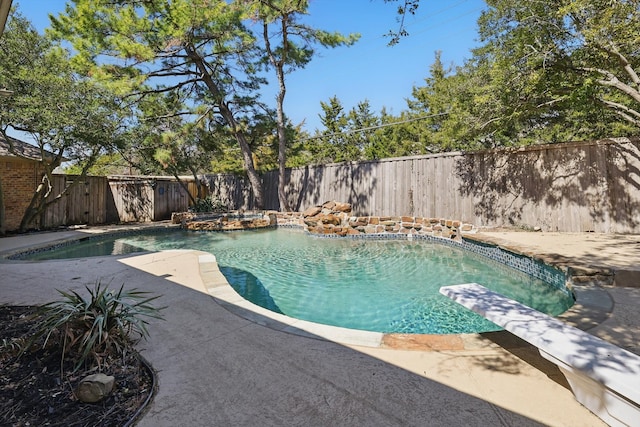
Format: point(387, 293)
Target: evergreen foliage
point(193, 71)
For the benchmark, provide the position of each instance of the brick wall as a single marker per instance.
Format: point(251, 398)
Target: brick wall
point(20, 178)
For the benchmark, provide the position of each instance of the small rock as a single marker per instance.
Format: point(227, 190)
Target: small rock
point(94, 388)
point(537, 228)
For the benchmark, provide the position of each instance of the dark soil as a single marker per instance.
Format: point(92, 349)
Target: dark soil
point(33, 392)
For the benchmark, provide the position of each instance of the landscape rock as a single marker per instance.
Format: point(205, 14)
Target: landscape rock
point(94, 388)
point(342, 207)
point(312, 211)
point(330, 219)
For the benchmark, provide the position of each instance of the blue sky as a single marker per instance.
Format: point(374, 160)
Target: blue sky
point(367, 70)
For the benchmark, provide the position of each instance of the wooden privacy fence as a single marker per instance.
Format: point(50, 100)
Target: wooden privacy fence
point(134, 199)
point(100, 200)
point(570, 187)
point(84, 202)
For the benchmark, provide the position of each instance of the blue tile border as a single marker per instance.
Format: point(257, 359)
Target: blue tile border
point(531, 266)
point(24, 253)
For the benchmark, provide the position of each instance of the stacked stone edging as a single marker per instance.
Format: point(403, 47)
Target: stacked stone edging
point(333, 218)
point(329, 219)
point(231, 221)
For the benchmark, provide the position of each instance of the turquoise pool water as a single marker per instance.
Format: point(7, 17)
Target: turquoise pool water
point(375, 285)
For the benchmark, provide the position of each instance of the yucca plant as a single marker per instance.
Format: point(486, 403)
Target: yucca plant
point(104, 323)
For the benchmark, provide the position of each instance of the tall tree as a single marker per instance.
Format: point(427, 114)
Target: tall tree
point(330, 145)
point(347, 135)
point(69, 118)
point(5, 8)
point(567, 60)
point(199, 49)
point(289, 45)
point(545, 72)
point(167, 142)
point(450, 111)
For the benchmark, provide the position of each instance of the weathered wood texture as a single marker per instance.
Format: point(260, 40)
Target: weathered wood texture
point(133, 199)
point(83, 203)
point(169, 196)
point(148, 199)
point(571, 187)
point(101, 200)
point(231, 190)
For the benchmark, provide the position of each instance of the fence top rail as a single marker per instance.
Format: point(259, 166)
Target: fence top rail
point(499, 150)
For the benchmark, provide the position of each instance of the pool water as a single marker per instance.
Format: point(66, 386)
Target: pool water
point(375, 285)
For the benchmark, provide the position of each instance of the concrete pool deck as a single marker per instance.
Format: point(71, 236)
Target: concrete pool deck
point(218, 368)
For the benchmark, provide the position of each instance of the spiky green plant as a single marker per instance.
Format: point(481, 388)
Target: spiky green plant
point(101, 324)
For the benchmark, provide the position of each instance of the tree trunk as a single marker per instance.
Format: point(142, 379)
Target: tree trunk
point(282, 146)
point(227, 115)
point(199, 191)
point(281, 125)
point(282, 170)
point(36, 205)
point(39, 201)
point(247, 157)
point(3, 225)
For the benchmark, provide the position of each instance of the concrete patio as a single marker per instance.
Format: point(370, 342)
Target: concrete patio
point(216, 367)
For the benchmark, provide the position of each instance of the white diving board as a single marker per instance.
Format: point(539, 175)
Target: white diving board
point(603, 377)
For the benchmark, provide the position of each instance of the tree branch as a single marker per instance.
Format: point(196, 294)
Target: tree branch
point(623, 111)
point(144, 93)
point(612, 81)
point(613, 49)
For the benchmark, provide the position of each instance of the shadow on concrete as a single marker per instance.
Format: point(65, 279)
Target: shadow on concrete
point(216, 368)
point(523, 351)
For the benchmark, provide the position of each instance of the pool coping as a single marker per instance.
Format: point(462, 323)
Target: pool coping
point(593, 305)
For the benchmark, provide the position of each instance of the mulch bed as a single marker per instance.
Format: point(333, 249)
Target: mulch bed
point(33, 392)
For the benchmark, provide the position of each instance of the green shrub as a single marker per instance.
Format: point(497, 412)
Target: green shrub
point(209, 204)
point(105, 323)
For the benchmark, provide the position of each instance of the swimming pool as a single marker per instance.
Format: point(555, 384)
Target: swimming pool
point(374, 285)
